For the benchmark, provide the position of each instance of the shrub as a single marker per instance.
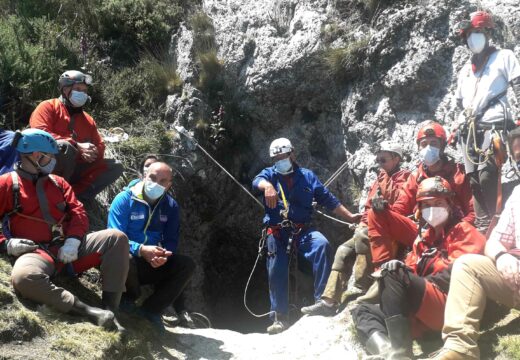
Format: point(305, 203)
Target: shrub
point(346, 63)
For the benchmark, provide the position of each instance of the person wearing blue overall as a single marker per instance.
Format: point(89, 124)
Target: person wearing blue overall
point(289, 191)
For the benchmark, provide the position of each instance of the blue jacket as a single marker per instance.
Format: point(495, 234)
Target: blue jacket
point(306, 188)
point(8, 154)
point(131, 214)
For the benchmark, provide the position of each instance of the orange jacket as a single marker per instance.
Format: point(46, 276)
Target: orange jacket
point(58, 197)
point(427, 258)
point(52, 116)
point(454, 174)
point(389, 187)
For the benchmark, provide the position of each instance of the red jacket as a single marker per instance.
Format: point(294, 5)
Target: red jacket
point(427, 258)
point(389, 187)
point(52, 116)
point(454, 174)
point(74, 225)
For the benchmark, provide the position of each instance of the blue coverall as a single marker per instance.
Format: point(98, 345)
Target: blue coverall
point(300, 188)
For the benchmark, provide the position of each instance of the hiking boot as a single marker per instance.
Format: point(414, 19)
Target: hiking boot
point(277, 327)
point(186, 320)
point(170, 316)
point(320, 308)
point(447, 354)
point(400, 338)
point(154, 318)
point(100, 317)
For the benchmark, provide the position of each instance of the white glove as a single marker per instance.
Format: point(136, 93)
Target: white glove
point(509, 267)
point(69, 251)
point(17, 246)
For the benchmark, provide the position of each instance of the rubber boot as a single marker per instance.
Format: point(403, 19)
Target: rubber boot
point(400, 338)
point(110, 301)
point(100, 317)
point(378, 343)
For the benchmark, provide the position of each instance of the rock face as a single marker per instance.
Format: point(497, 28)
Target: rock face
point(279, 77)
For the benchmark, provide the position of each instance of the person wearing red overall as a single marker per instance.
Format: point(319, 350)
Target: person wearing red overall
point(390, 229)
point(384, 190)
point(413, 293)
point(44, 230)
point(81, 158)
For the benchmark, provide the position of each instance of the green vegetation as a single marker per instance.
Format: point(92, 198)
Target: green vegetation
point(346, 63)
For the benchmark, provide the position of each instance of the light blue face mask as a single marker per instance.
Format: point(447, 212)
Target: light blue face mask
point(153, 190)
point(78, 98)
point(283, 166)
point(430, 155)
point(47, 169)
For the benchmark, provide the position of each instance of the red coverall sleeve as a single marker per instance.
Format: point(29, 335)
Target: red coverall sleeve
point(405, 202)
point(368, 203)
point(77, 224)
point(44, 118)
point(6, 194)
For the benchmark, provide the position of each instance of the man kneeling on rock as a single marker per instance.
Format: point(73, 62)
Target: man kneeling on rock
point(44, 229)
point(289, 191)
point(150, 217)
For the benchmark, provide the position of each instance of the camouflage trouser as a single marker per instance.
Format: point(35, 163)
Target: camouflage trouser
point(353, 255)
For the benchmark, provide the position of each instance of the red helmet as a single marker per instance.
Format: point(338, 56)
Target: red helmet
point(432, 188)
point(478, 20)
point(431, 128)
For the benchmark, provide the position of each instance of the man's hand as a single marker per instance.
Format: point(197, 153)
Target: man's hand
point(509, 267)
point(88, 152)
point(17, 246)
point(378, 203)
point(156, 256)
point(271, 196)
point(393, 265)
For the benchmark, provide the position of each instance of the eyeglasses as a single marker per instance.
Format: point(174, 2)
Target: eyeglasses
point(382, 160)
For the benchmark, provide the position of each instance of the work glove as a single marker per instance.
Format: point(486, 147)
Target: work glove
point(379, 203)
point(17, 246)
point(509, 267)
point(393, 265)
point(69, 251)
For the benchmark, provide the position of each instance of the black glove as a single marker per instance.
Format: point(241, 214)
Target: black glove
point(379, 203)
point(393, 265)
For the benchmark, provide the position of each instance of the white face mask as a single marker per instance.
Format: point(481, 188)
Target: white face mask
point(78, 98)
point(435, 215)
point(476, 42)
point(153, 190)
point(47, 169)
point(429, 155)
point(283, 166)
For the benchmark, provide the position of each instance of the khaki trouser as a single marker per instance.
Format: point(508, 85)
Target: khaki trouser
point(474, 278)
point(354, 250)
point(32, 272)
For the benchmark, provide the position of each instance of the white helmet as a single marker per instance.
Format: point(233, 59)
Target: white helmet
point(392, 147)
point(280, 146)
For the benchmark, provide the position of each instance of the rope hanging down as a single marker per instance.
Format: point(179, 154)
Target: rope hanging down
point(182, 130)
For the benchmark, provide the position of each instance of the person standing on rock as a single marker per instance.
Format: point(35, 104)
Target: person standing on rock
point(384, 190)
point(149, 216)
point(476, 278)
point(412, 294)
point(44, 228)
point(289, 191)
point(81, 158)
point(390, 228)
point(486, 117)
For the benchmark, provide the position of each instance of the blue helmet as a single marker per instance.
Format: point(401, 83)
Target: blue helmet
point(32, 140)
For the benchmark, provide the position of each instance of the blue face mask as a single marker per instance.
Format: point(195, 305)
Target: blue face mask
point(283, 166)
point(47, 169)
point(78, 98)
point(153, 190)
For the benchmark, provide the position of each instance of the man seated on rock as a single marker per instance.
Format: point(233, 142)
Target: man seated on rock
point(289, 191)
point(477, 277)
point(44, 229)
point(81, 158)
point(384, 190)
point(390, 229)
point(149, 216)
point(412, 294)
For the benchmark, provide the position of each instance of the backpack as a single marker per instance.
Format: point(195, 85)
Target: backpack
point(8, 153)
